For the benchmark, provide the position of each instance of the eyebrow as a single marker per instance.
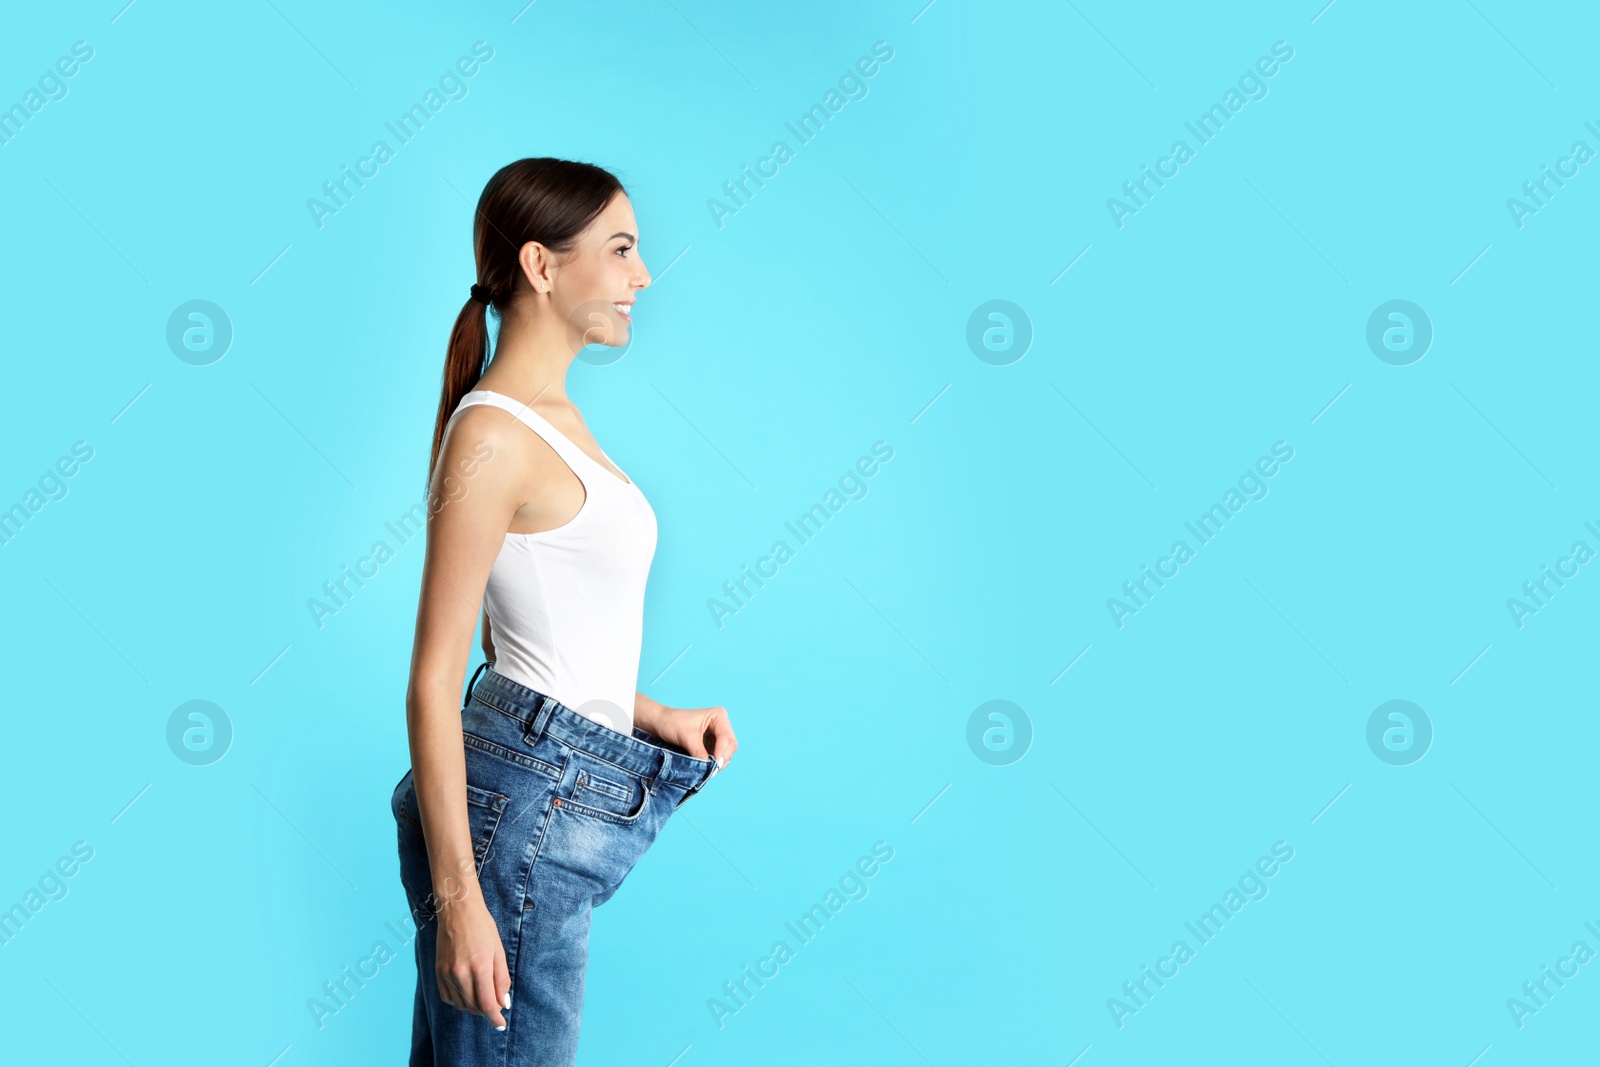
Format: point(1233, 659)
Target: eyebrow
point(624, 233)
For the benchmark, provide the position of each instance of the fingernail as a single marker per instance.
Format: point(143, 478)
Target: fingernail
point(507, 1000)
point(499, 1028)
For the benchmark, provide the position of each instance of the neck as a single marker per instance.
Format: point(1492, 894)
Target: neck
point(531, 356)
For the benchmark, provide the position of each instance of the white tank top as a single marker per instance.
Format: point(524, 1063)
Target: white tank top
point(566, 606)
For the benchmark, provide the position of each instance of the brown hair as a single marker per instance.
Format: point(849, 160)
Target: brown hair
point(547, 200)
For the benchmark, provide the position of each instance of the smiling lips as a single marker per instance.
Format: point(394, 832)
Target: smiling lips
point(623, 308)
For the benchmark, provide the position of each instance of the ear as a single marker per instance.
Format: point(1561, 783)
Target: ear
point(538, 266)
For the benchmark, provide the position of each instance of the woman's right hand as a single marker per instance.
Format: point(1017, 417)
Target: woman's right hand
point(470, 961)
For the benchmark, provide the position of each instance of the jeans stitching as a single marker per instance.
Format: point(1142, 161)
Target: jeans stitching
point(519, 945)
point(521, 759)
point(605, 786)
point(568, 804)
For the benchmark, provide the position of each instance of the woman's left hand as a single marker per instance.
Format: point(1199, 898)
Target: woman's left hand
point(704, 733)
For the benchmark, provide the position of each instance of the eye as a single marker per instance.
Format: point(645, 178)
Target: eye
point(623, 251)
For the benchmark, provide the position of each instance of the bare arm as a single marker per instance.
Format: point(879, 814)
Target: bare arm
point(471, 501)
point(468, 516)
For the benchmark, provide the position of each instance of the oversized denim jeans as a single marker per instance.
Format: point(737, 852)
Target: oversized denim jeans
point(560, 809)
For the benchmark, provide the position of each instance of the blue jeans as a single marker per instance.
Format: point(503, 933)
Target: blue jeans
point(560, 808)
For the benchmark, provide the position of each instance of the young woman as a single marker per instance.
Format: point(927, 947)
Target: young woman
point(526, 808)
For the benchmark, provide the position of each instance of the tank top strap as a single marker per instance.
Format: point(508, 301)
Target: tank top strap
point(570, 453)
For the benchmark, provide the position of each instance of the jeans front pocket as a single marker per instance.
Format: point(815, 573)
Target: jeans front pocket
point(606, 792)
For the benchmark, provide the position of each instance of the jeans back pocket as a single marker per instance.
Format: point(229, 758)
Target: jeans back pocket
point(484, 809)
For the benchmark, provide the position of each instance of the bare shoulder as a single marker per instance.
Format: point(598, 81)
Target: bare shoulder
point(480, 447)
point(479, 424)
point(488, 444)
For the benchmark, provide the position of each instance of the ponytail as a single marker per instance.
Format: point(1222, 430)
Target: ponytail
point(464, 364)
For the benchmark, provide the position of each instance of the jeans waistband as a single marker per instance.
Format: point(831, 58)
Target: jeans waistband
point(650, 757)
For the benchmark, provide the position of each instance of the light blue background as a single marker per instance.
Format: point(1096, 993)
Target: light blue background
point(1228, 314)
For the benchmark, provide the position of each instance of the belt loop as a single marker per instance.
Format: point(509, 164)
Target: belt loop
point(541, 718)
point(666, 762)
point(472, 684)
point(702, 783)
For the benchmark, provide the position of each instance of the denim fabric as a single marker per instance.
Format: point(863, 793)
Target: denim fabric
point(560, 808)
